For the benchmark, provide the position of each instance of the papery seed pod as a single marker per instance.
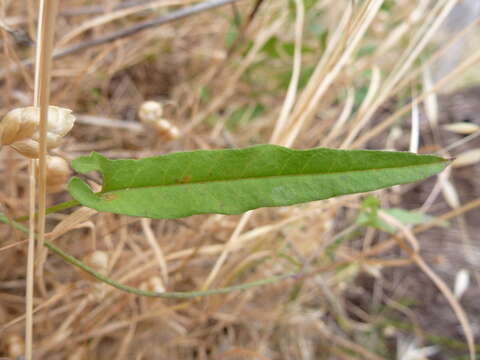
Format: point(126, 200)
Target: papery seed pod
point(18, 124)
point(462, 283)
point(20, 129)
point(29, 148)
point(60, 122)
point(154, 284)
point(166, 130)
point(58, 173)
point(462, 128)
point(450, 193)
point(97, 260)
point(150, 111)
point(15, 346)
point(467, 158)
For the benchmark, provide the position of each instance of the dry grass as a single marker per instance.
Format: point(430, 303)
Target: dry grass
point(231, 85)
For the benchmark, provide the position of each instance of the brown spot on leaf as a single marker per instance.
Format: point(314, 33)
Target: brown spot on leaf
point(108, 197)
point(185, 179)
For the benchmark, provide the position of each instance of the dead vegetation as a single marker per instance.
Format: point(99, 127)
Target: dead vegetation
point(341, 74)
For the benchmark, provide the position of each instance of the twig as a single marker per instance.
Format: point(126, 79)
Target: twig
point(173, 16)
point(98, 9)
point(120, 34)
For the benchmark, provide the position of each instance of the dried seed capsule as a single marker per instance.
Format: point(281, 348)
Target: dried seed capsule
point(166, 130)
point(150, 111)
point(29, 148)
point(58, 173)
point(463, 128)
point(469, 157)
point(20, 129)
point(462, 283)
point(450, 193)
point(97, 260)
point(18, 124)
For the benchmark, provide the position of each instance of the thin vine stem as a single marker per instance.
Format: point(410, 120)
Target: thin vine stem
point(129, 289)
point(53, 209)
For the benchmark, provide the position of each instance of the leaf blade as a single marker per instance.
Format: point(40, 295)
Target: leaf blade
point(234, 181)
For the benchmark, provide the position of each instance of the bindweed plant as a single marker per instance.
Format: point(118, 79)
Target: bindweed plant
point(228, 181)
point(237, 180)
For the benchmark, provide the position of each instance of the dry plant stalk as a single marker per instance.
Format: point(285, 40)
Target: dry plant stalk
point(46, 26)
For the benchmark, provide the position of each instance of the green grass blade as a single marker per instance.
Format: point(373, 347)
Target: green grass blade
point(234, 181)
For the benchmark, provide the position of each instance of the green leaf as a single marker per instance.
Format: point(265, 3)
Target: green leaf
point(305, 74)
point(244, 115)
point(270, 47)
point(409, 217)
point(406, 217)
point(231, 35)
point(234, 181)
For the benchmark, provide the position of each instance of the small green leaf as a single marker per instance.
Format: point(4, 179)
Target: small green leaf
point(231, 35)
point(270, 47)
point(406, 217)
point(234, 181)
point(305, 74)
point(244, 115)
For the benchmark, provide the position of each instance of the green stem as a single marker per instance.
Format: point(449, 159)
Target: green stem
point(59, 207)
point(171, 295)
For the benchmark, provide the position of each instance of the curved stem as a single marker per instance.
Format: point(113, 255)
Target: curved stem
point(169, 295)
point(53, 209)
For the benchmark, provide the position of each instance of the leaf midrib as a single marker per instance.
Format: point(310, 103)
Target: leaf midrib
point(272, 176)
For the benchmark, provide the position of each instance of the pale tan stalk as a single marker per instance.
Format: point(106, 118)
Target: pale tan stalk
point(303, 116)
point(334, 45)
point(157, 250)
point(415, 128)
point(363, 116)
point(41, 99)
point(419, 35)
point(30, 265)
point(342, 119)
point(360, 120)
point(397, 34)
point(297, 65)
point(218, 101)
point(397, 74)
point(414, 73)
point(49, 302)
point(424, 39)
point(467, 63)
point(48, 10)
